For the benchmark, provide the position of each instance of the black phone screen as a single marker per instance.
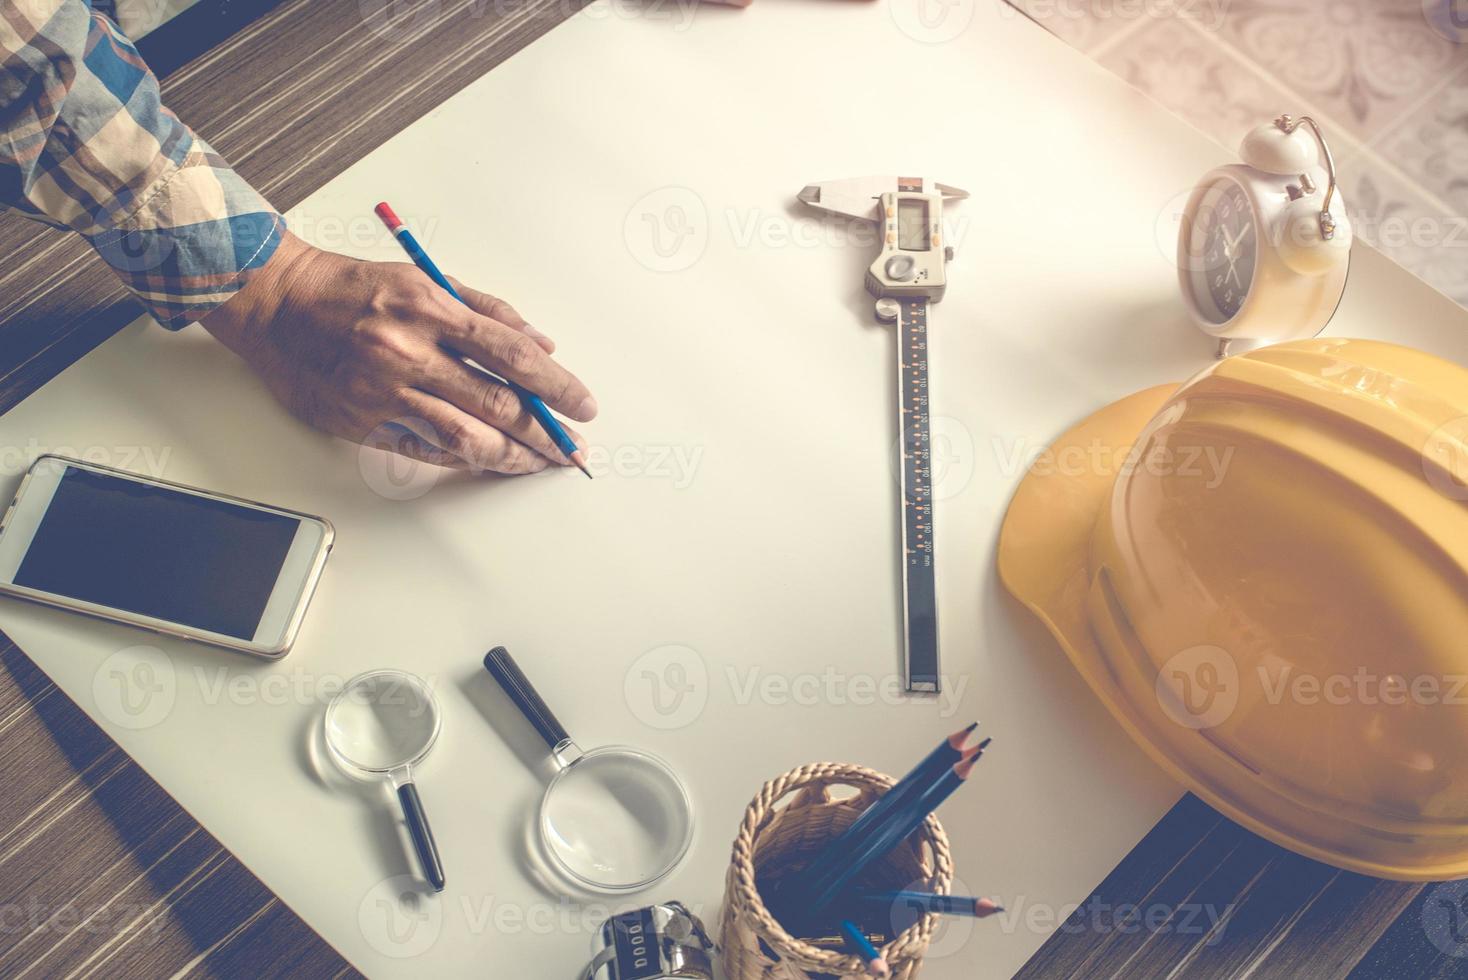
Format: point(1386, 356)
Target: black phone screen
point(158, 552)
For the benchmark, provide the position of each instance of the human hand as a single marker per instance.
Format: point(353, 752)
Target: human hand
point(350, 346)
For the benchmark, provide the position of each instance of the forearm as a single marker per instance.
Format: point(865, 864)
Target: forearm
point(86, 144)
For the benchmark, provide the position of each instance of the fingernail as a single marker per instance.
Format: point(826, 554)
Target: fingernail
point(586, 411)
point(535, 333)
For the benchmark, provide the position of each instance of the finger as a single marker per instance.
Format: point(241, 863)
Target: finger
point(516, 357)
point(399, 438)
point(480, 447)
point(497, 309)
point(481, 396)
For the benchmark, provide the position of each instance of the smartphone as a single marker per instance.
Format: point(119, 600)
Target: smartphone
point(164, 557)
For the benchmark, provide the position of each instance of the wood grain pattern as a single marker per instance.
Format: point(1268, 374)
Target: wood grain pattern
point(102, 873)
point(1201, 897)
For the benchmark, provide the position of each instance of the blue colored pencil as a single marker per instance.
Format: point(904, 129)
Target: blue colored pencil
point(796, 892)
point(532, 402)
point(862, 946)
point(931, 903)
point(906, 819)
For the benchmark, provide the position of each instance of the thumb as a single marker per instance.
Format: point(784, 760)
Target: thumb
point(497, 309)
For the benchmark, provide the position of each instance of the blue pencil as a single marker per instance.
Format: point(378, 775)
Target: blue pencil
point(795, 891)
point(862, 946)
point(896, 829)
point(532, 402)
point(930, 903)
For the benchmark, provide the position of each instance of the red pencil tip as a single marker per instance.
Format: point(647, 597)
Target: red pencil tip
point(388, 215)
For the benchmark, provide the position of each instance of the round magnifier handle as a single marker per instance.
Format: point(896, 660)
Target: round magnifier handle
point(512, 680)
point(422, 835)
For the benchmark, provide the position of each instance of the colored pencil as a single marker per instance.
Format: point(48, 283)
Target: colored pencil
point(906, 789)
point(930, 902)
point(859, 944)
point(947, 752)
point(894, 830)
point(532, 402)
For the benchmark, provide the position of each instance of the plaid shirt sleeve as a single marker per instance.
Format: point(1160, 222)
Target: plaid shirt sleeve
point(86, 144)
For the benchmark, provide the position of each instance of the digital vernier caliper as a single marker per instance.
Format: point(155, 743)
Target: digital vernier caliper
point(905, 278)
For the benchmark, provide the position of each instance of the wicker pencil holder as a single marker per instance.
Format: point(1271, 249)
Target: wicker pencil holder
point(775, 841)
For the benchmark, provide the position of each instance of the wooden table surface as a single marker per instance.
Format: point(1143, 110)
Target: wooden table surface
point(101, 872)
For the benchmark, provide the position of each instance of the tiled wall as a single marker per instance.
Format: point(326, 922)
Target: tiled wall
point(1386, 79)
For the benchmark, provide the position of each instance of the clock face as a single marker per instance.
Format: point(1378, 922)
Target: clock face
point(1224, 246)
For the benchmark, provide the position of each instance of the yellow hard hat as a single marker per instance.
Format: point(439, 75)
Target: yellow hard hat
point(1263, 574)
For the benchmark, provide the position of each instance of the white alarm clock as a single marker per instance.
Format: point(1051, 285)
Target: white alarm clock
point(1265, 244)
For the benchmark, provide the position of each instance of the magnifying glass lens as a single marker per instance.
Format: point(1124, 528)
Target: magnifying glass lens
point(381, 722)
point(617, 819)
